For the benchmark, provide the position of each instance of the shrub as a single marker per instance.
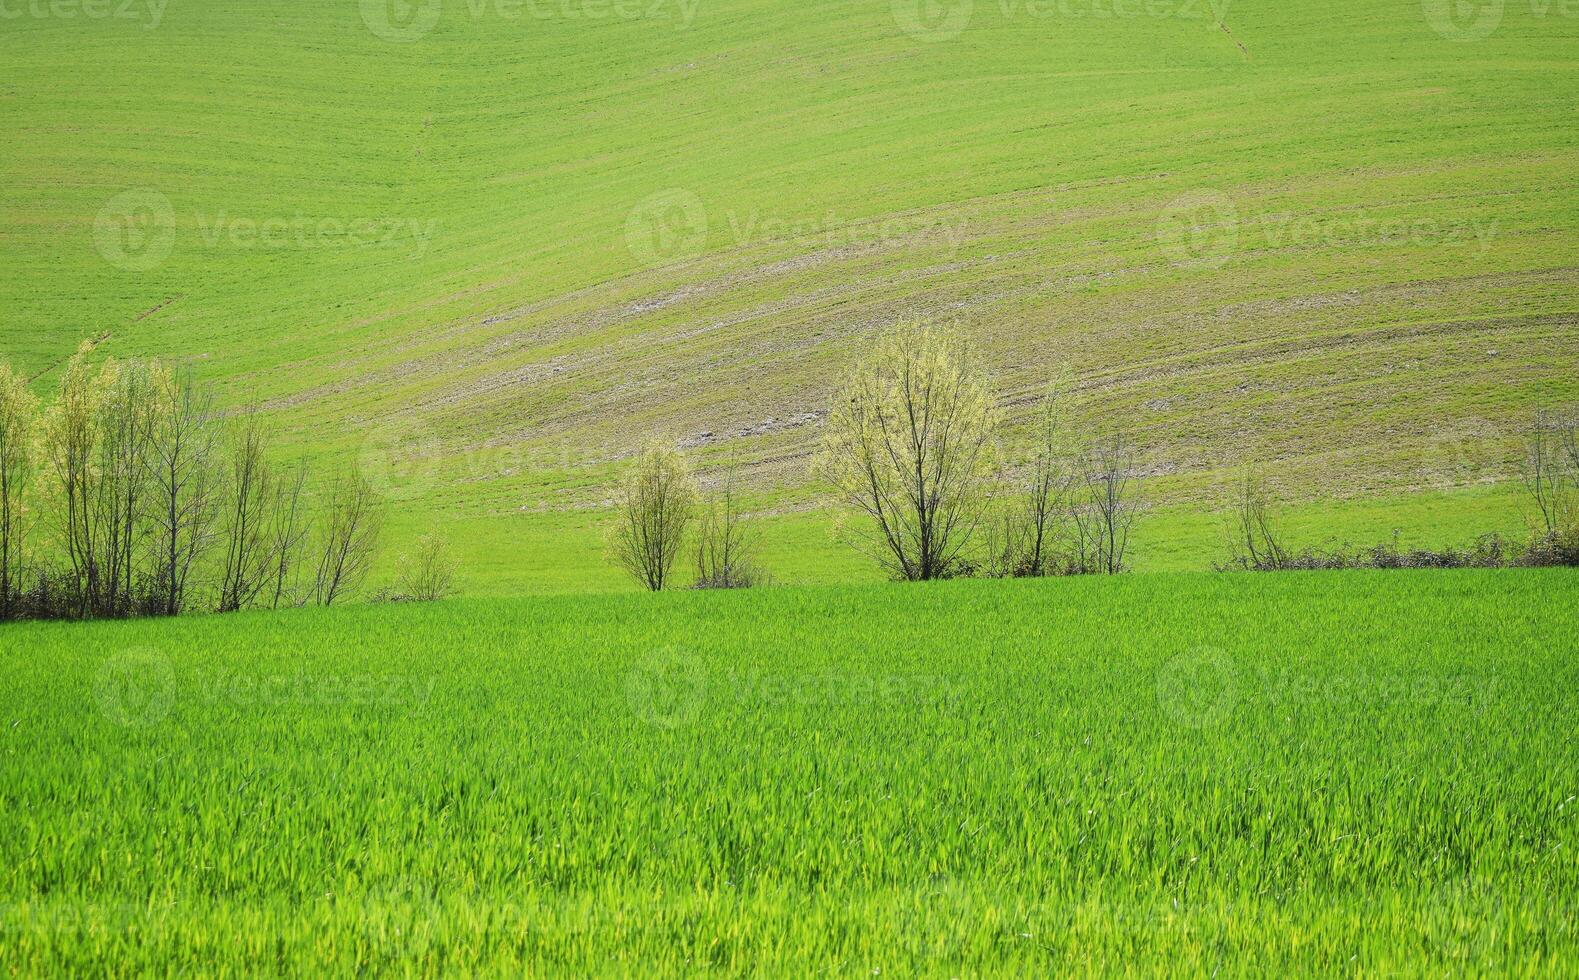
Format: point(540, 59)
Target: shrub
point(657, 504)
point(427, 574)
point(726, 544)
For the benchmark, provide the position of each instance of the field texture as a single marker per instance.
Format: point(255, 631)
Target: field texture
point(487, 247)
point(1363, 773)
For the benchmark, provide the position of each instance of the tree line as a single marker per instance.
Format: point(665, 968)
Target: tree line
point(915, 448)
point(130, 494)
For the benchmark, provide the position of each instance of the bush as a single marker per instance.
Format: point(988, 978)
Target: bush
point(657, 505)
point(427, 574)
point(1554, 549)
point(726, 545)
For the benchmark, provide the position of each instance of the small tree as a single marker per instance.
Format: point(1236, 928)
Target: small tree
point(1024, 535)
point(18, 421)
point(1252, 542)
point(1551, 471)
point(657, 504)
point(186, 484)
point(1103, 509)
point(287, 538)
point(353, 521)
point(909, 443)
point(249, 491)
point(427, 574)
point(726, 545)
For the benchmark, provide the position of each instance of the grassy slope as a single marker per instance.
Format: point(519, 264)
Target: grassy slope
point(1314, 773)
point(1030, 159)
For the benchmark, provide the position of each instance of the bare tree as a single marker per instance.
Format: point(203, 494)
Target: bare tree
point(1570, 441)
point(186, 484)
point(657, 504)
point(248, 492)
point(128, 414)
point(1252, 542)
point(909, 443)
point(353, 520)
point(1023, 538)
point(287, 538)
point(1103, 509)
point(1549, 471)
point(18, 419)
point(726, 544)
point(427, 574)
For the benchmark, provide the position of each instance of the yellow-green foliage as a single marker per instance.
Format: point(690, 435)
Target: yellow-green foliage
point(910, 445)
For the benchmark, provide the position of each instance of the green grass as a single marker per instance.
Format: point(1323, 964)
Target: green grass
point(1352, 773)
point(1036, 164)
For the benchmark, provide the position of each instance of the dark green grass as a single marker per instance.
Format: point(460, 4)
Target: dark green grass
point(1352, 773)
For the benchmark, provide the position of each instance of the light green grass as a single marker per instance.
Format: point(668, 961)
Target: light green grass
point(1354, 773)
point(565, 552)
point(1037, 165)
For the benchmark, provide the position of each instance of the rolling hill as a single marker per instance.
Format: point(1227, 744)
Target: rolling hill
point(488, 247)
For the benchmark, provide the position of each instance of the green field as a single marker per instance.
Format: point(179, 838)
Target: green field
point(1352, 773)
point(506, 243)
